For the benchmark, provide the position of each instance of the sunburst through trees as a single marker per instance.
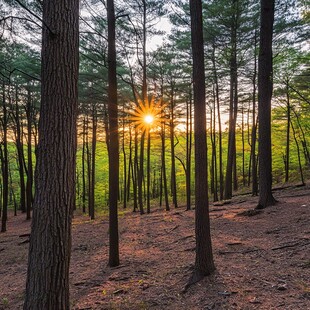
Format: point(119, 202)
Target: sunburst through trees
point(147, 114)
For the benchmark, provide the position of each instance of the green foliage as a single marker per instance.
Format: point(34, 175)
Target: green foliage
point(169, 77)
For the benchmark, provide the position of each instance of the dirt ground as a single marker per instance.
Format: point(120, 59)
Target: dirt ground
point(262, 261)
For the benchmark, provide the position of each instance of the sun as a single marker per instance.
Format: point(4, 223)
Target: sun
point(148, 114)
point(149, 118)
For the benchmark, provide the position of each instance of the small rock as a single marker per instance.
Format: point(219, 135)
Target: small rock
point(282, 287)
point(227, 293)
point(255, 300)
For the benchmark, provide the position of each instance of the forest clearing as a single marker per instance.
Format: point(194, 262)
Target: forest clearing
point(262, 261)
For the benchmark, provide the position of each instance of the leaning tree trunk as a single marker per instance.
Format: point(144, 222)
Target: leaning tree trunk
point(50, 241)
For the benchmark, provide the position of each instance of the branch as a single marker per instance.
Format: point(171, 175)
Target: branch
point(29, 75)
point(20, 18)
point(181, 161)
point(92, 28)
point(299, 94)
point(36, 16)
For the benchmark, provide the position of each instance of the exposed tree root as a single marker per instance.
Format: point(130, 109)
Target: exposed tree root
point(195, 277)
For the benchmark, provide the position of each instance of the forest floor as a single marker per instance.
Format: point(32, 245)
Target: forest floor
point(262, 260)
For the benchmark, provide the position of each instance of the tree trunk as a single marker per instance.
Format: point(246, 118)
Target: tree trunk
point(29, 182)
point(125, 167)
point(288, 129)
point(4, 163)
point(148, 171)
point(254, 125)
point(83, 167)
point(298, 155)
point(204, 264)
point(217, 96)
point(264, 104)
point(88, 163)
point(20, 156)
point(173, 169)
point(91, 194)
point(113, 139)
point(141, 174)
point(233, 109)
point(189, 134)
point(50, 241)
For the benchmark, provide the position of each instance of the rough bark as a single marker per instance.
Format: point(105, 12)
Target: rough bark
point(113, 139)
point(50, 241)
point(264, 104)
point(4, 163)
point(204, 264)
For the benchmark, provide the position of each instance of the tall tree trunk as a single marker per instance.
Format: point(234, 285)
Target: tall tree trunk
point(231, 177)
point(83, 167)
point(172, 146)
point(125, 167)
point(135, 177)
point(130, 167)
point(243, 148)
point(254, 125)
point(148, 171)
point(213, 141)
point(265, 85)
point(204, 264)
point(88, 163)
point(20, 155)
point(303, 140)
point(217, 96)
point(189, 134)
point(50, 240)
point(113, 139)
point(91, 194)
point(141, 174)
point(4, 163)
point(163, 174)
point(288, 130)
point(298, 155)
point(29, 182)
point(163, 166)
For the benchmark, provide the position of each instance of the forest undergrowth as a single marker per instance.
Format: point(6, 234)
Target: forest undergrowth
point(261, 256)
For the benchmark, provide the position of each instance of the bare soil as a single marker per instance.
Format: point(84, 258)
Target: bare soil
point(262, 259)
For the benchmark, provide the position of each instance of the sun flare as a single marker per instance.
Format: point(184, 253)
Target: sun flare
point(149, 119)
point(147, 115)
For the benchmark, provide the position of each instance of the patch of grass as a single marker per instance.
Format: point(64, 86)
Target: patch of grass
point(4, 302)
point(306, 264)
